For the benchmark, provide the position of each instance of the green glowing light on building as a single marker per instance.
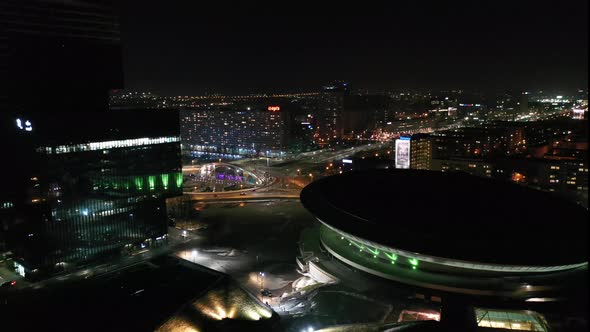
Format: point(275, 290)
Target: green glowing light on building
point(392, 262)
point(139, 183)
point(413, 261)
point(413, 267)
point(178, 178)
point(165, 179)
point(152, 182)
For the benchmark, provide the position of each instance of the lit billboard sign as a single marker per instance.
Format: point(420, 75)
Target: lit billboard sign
point(578, 111)
point(402, 152)
point(347, 161)
point(274, 108)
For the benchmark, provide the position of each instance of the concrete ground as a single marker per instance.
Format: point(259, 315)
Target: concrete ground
point(246, 240)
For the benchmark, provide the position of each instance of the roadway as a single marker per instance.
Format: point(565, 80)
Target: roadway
point(176, 241)
point(282, 179)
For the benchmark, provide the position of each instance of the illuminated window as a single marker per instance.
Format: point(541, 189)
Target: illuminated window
point(408, 316)
point(511, 319)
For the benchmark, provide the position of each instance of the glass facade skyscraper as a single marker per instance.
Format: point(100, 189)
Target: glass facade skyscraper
point(97, 191)
point(82, 182)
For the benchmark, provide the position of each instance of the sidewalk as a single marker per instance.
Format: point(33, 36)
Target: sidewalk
point(7, 273)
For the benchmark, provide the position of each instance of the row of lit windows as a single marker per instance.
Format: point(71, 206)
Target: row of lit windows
point(93, 146)
point(510, 320)
point(6, 205)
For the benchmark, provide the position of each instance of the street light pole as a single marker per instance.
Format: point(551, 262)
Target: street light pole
point(261, 279)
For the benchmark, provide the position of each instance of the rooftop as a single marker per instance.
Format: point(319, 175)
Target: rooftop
point(452, 215)
point(164, 294)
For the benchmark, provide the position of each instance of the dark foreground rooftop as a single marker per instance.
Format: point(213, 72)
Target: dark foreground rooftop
point(453, 215)
point(162, 294)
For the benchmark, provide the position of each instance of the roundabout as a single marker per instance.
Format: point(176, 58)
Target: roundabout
point(221, 177)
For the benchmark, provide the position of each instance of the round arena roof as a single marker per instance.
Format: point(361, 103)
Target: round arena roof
point(454, 216)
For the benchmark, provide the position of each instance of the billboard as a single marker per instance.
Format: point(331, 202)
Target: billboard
point(402, 152)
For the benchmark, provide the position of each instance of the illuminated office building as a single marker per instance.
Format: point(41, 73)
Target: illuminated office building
point(421, 152)
point(243, 132)
point(95, 190)
point(328, 115)
point(413, 152)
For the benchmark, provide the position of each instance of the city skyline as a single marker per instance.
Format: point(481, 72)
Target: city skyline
point(195, 166)
point(247, 49)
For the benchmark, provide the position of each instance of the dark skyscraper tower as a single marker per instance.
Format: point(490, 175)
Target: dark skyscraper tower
point(85, 182)
point(59, 55)
point(523, 103)
point(329, 115)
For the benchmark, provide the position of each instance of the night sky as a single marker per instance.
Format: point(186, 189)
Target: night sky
point(190, 47)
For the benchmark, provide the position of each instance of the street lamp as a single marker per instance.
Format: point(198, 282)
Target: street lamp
point(261, 277)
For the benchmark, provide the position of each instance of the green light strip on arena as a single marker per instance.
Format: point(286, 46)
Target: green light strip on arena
point(393, 257)
point(374, 252)
point(357, 245)
point(414, 263)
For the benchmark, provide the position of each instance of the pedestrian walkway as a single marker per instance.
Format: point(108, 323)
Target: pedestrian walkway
point(7, 273)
